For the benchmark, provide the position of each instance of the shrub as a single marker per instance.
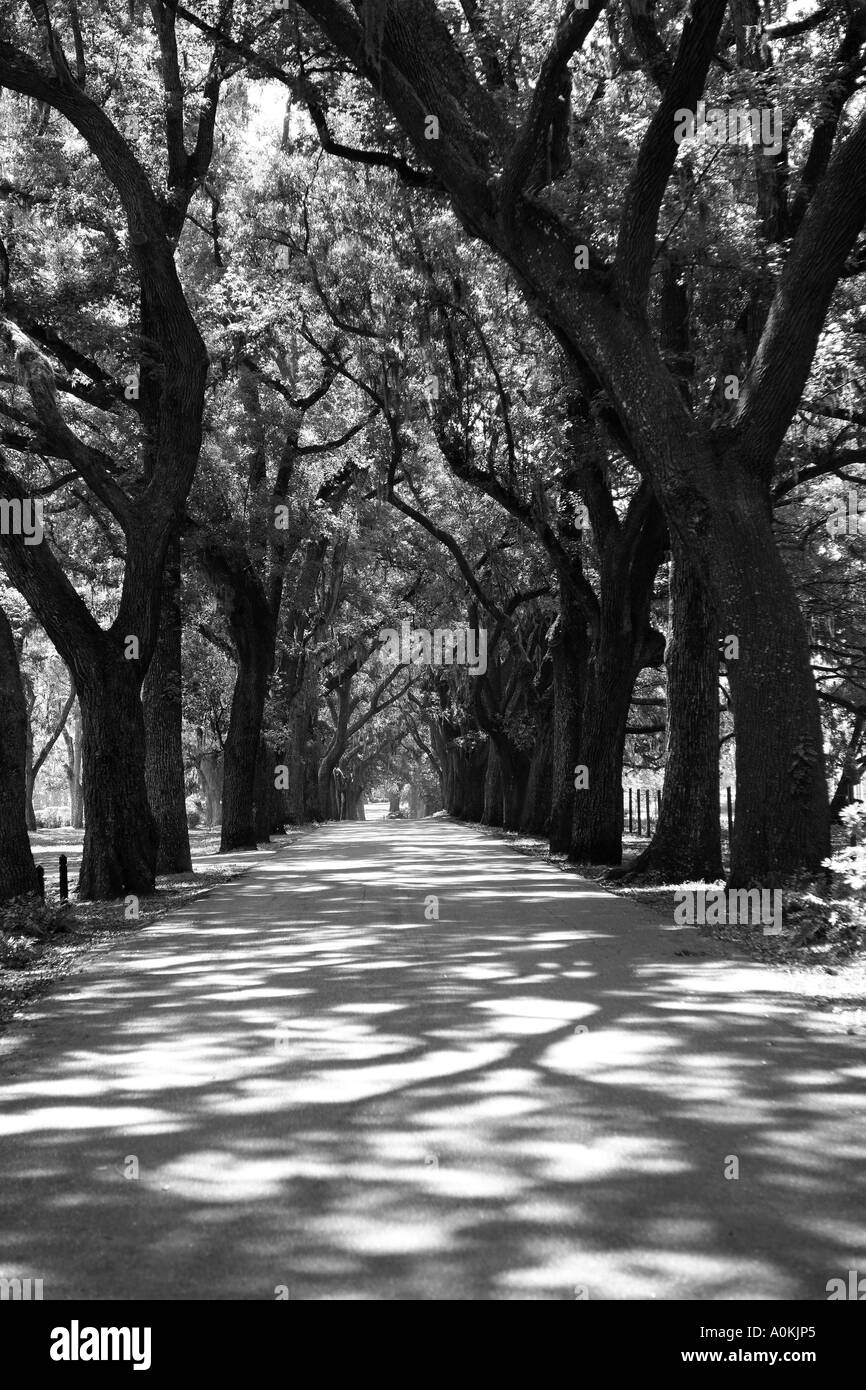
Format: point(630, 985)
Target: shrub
point(18, 952)
point(193, 818)
point(52, 818)
point(30, 916)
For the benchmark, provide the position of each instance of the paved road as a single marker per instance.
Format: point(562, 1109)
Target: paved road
point(325, 1091)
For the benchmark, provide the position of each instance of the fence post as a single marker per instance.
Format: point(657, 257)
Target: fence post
point(648, 825)
point(64, 878)
point(40, 881)
point(639, 830)
point(629, 811)
point(658, 805)
point(730, 822)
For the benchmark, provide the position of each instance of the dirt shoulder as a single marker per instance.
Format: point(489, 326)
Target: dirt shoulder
point(820, 955)
point(90, 927)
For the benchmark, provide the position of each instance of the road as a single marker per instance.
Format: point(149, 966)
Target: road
point(305, 1085)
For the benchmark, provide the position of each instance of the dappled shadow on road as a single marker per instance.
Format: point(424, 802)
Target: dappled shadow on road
point(325, 1088)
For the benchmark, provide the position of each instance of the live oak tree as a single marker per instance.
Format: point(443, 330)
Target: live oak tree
point(121, 836)
point(639, 380)
point(455, 96)
point(249, 575)
point(496, 429)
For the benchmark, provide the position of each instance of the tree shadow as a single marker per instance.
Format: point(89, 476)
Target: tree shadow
point(323, 1088)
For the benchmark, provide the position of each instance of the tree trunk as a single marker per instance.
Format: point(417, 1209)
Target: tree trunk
point(209, 771)
point(325, 799)
point(473, 771)
point(713, 483)
point(354, 800)
point(782, 823)
point(17, 869)
point(514, 764)
point(72, 769)
point(568, 652)
point(596, 831)
point(535, 817)
point(394, 801)
point(163, 723)
point(455, 779)
point(623, 643)
point(120, 834)
point(494, 810)
point(292, 799)
point(240, 753)
point(687, 842)
point(465, 776)
point(268, 799)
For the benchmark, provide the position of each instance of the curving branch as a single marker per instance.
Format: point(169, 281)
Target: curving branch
point(783, 359)
point(574, 28)
point(658, 152)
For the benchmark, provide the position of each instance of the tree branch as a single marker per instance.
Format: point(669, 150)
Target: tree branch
point(782, 362)
point(658, 152)
point(574, 28)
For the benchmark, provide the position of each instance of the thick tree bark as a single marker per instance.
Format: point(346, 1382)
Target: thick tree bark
point(622, 644)
point(514, 768)
point(268, 800)
point(17, 869)
point(494, 801)
point(687, 844)
point(535, 816)
point(163, 722)
point(240, 753)
point(782, 821)
point(294, 799)
point(120, 837)
point(120, 834)
point(596, 830)
point(251, 622)
point(568, 652)
point(209, 770)
point(354, 800)
point(472, 770)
